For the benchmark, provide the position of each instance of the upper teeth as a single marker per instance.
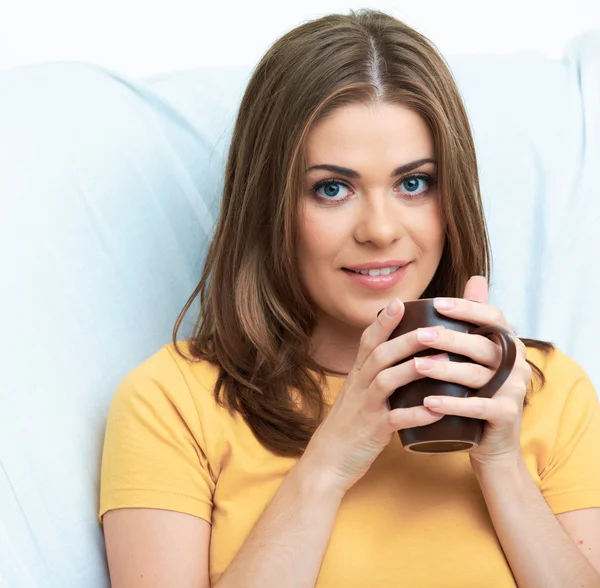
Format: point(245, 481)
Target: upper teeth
point(382, 271)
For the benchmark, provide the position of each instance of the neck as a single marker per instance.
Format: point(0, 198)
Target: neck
point(334, 345)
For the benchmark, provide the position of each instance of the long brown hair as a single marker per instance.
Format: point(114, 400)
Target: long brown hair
point(255, 317)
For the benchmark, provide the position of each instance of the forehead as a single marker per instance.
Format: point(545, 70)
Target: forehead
point(379, 131)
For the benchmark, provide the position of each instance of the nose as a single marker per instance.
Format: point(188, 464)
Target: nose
point(378, 222)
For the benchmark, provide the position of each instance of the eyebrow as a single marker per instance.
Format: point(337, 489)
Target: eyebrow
point(350, 173)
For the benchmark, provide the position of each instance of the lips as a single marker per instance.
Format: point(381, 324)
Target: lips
point(380, 282)
point(368, 265)
point(384, 271)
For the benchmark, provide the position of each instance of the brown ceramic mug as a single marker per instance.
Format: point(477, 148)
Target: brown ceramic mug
point(451, 433)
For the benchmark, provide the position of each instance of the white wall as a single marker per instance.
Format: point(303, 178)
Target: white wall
point(145, 37)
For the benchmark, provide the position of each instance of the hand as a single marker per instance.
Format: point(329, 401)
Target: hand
point(501, 437)
point(360, 423)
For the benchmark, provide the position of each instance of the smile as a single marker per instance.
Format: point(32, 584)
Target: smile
point(381, 278)
point(383, 271)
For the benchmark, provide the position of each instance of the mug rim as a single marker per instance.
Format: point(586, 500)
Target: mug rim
point(427, 300)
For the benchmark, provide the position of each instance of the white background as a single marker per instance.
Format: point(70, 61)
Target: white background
point(146, 37)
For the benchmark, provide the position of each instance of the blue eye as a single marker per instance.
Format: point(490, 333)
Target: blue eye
point(411, 184)
point(331, 190)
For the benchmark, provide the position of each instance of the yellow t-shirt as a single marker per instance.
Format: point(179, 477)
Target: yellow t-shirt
point(412, 520)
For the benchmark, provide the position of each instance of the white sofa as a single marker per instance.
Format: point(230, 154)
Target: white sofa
point(109, 189)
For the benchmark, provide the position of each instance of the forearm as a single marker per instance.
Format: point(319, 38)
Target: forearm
point(538, 549)
point(286, 546)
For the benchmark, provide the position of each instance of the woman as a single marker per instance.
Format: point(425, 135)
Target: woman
point(262, 451)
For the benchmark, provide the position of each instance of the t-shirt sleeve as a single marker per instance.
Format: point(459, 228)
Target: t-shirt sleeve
point(571, 481)
point(154, 452)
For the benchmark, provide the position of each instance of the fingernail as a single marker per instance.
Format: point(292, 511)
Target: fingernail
point(432, 402)
point(426, 335)
point(443, 303)
point(393, 307)
point(423, 363)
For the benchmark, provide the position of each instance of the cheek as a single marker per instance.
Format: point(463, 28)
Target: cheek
point(319, 238)
point(427, 229)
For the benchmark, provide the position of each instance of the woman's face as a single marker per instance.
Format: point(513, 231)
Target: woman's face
point(369, 202)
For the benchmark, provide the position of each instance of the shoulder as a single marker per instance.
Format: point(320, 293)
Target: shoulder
point(163, 438)
point(167, 376)
point(567, 395)
point(556, 364)
point(168, 370)
point(561, 433)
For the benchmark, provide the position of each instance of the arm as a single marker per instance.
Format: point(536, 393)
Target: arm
point(583, 526)
point(539, 550)
point(287, 545)
point(537, 547)
point(151, 548)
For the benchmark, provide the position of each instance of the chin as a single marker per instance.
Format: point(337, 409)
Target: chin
point(364, 317)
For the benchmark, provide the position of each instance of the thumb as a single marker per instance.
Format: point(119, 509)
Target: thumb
point(477, 290)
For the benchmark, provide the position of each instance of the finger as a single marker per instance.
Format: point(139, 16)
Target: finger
point(389, 354)
point(470, 311)
point(477, 347)
point(476, 289)
point(379, 331)
point(488, 409)
point(416, 416)
point(439, 357)
point(467, 374)
point(387, 381)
